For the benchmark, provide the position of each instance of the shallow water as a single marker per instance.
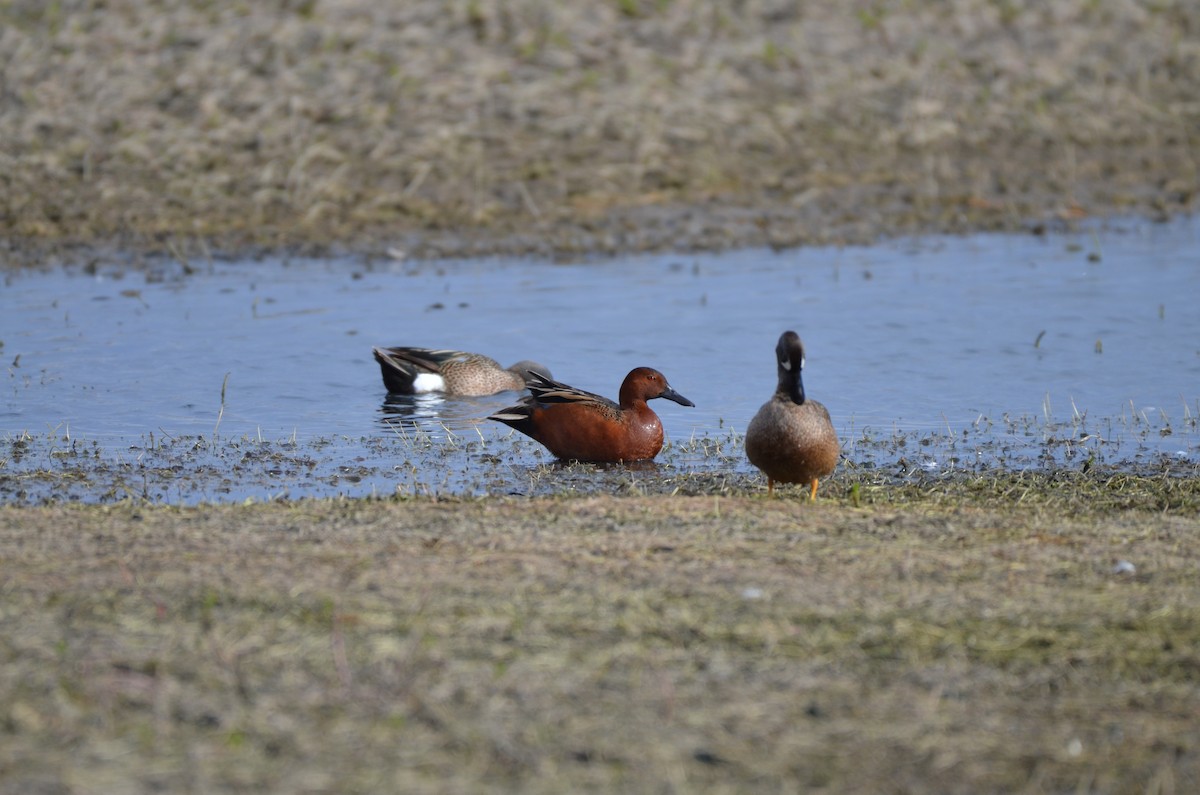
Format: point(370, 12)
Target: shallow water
point(987, 351)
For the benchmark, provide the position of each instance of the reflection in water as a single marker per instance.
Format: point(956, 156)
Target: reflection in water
point(438, 415)
point(410, 411)
point(646, 465)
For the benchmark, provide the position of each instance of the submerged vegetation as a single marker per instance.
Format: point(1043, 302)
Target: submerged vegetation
point(987, 463)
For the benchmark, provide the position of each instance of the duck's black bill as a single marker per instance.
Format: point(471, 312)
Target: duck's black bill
point(671, 394)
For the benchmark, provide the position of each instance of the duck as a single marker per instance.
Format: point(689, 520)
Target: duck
point(791, 438)
point(575, 425)
point(411, 371)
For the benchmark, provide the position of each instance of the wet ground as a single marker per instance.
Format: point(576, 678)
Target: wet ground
point(226, 380)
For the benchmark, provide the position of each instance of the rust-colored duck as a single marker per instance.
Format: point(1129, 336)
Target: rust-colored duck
point(582, 426)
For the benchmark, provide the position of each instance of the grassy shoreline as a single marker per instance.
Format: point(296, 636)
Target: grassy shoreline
point(599, 643)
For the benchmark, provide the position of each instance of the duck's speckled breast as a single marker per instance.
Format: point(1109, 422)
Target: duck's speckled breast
point(792, 443)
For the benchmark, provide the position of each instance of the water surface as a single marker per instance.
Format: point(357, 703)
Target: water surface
point(995, 350)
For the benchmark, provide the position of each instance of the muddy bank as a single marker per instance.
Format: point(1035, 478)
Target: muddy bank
point(484, 127)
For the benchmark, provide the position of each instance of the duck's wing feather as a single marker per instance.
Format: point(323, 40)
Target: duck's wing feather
point(429, 360)
point(547, 390)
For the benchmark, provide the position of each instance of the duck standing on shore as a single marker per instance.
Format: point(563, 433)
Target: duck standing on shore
point(791, 438)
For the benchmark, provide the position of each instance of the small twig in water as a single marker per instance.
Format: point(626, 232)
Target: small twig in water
point(179, 256)
point(221, 413)
point(1096, 252)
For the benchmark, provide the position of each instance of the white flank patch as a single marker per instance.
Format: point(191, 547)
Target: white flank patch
point(429, 382)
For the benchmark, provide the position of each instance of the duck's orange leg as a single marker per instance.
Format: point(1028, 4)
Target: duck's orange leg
point(813, 496)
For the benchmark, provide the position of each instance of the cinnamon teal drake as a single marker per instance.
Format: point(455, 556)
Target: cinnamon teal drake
point(409, 371)
point(580, 426)
point(791, 438)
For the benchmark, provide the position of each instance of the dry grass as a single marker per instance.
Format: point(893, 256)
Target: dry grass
point(535, 125)
point(637, 644)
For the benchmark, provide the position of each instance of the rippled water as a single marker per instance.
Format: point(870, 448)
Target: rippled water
point(1005, 350)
